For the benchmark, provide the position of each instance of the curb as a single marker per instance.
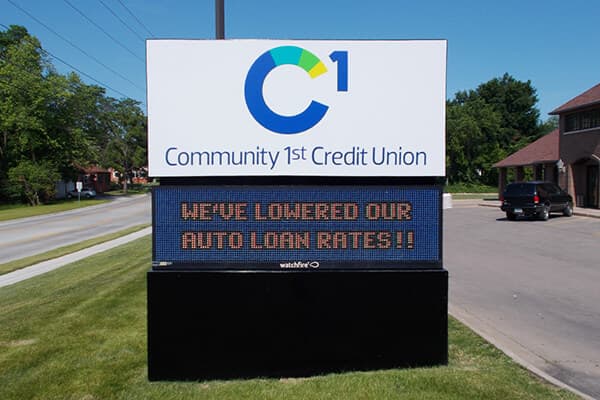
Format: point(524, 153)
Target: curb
point(578, 212)
point(55, 263)
point(585, 214)
point(491, 335)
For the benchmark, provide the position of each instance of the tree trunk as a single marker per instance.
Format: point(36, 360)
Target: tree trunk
point(5, 140)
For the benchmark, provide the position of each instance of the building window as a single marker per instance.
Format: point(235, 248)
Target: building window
point(595, 117)
point(571, 123)
point(582, 120)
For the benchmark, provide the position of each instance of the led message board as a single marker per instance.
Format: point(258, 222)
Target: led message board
point(296, 227)
point(309, 108)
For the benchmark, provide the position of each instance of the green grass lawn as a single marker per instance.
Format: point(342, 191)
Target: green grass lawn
point(475, 196)
point(130, 192)
point(469, 188)
point(14, 211)
point(80, 333)
point(132, 189)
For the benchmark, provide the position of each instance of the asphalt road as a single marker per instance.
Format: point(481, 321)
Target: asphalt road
point(533, 286)
point(25, 237)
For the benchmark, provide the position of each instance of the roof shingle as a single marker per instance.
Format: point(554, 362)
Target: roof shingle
point(543, 150)
point(589, 97)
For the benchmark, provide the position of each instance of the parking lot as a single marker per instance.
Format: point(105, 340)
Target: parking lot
point(532, 285)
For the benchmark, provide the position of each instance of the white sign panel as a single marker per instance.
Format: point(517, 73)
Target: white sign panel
point(312, 108)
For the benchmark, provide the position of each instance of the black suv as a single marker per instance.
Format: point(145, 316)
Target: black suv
point(535, 199)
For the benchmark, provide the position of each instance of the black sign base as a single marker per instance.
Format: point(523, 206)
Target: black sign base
point(216, 325)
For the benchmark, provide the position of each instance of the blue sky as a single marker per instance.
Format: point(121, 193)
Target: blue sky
point(554, 44)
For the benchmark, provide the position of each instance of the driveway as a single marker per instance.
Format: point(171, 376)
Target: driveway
point(28, 236)
point(531, 285)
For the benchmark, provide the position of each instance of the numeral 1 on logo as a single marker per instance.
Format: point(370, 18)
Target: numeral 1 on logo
point(341, 58)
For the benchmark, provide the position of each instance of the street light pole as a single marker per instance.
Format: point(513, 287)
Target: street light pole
point(220, 19)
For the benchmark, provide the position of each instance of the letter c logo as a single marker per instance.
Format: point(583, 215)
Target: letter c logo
point(253, 90)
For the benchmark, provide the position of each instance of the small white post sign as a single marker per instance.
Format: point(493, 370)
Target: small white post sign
point(312, 108)
point(79, 186)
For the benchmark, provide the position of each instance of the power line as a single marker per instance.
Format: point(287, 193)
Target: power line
point(121, 20)
point(78, 70)
point(136, 18)
point(103, 30)
point(84, 74)
point(75, 46)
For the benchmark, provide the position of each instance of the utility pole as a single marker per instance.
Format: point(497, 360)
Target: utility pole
point(220, 19)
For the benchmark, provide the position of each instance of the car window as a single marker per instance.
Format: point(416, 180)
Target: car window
point(551, 188)
point(520, 189)
point(543, 190)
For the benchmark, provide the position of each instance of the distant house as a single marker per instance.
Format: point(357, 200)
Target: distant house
point(114, 175)
point(570, 155)
point(96, 178)
point(138, 176)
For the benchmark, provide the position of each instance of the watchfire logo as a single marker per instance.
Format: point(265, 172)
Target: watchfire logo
point(300, 265)
point(291, 55)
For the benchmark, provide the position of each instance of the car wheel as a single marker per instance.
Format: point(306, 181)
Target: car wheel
point(69, 196)
point(511, 216)
point(568, 210)
point(545, 213)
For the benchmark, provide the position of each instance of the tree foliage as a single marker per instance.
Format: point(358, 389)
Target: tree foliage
point(34, 181)
point(515, 102)
point(126, 137)
point(472, 141)
point(485, 125)
point(549, 125)
point(57, 122)
point(22, 97)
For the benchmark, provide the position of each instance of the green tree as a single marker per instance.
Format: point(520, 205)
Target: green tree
point(125, 127)
point(73, 121)
point(549, 125)
point(515, 101)
point(487, 124)
point(23, 91)
point(35, 181)
point(472, 147)
point(58, 122)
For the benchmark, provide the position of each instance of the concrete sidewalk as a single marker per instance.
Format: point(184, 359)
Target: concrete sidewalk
point(46, 266)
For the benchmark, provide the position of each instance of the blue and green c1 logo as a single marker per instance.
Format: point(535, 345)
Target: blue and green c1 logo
point(293, 55)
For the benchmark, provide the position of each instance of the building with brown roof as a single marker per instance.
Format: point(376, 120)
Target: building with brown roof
point(579, 146)
point(570, 155)
point(542, 156)
point(96, 178)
